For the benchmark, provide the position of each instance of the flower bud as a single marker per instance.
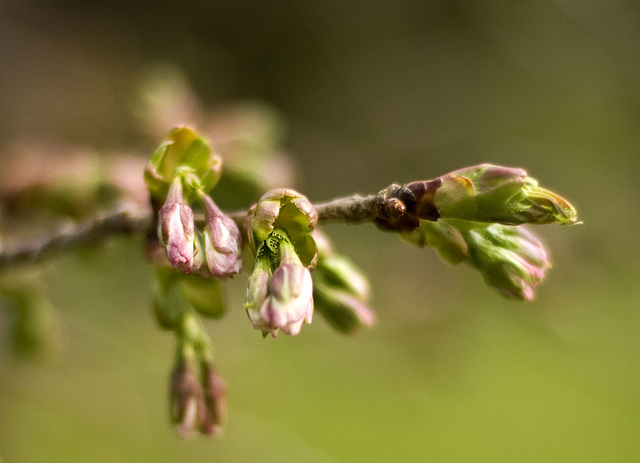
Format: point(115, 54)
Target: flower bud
point(203, 294)
point(341, 273)
point(188, 406)
point(36, 329)
point(441, 235)
point(340, 289)
point(169, 304)
point(176, 229)
point(488, 193)
point(257, 292)
point(511, 259)
point(344, 311)
point(289, 301)
point(222, 242)
point(184, 152)
point(287, 210)
point(215, 397)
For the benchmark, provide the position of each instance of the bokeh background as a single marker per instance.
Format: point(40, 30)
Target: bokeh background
point(370, 93)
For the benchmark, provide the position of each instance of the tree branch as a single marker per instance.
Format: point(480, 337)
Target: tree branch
point(351, 209)
point(93, 232)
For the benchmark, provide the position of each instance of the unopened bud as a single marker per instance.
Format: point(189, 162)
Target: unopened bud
point(222, 242)
point(289, 301)
point(511, 259)
point(215, 396)
point(488, 193)
point(176, 229)
point(342, 310)
point(340, 289)
point(287, 210)
point(184, 151)
point(257, 292)
point(203, 294)
point(187, 398)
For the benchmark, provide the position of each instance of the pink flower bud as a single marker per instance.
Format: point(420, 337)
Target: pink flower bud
point(188, 406)
point(215, 396)
point(176, 229)
point(222, 242)
point(290, 303)
point(282, 301)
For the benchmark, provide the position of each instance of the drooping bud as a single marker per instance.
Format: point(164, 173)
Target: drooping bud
point(257, 292)
point(176, 229)
point(342, 310)
point(340, 290)
point(222, 242)
point(215, 397)
point(36, 329)
point(188, 407)
point(169, 304)
point(286, 302)
point(290, 301)
point(511, 259)
point(443, 236)
point(203, 294)
point(488, 193)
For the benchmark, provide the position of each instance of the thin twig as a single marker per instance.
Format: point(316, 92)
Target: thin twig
point(351, 209)
point(89, 233)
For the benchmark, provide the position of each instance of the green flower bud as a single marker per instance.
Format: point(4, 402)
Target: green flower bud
point(340, 272)
point(510, 259)
point(343, 311)
point(287, 210)
point(340, 289)
point(184, 154)
point(258, 289)
point(203, 294)
point(215, 396)
point(169, 304)
point(37, 332)
point(441, 235)
point(487, 193)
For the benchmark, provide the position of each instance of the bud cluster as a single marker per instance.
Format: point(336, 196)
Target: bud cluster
point(280, 289)
point(181, 172)
point(340, 289)
point(469, 215)
point(198, 393)
point(482, 193)
point(185, 257)
point(511, 259)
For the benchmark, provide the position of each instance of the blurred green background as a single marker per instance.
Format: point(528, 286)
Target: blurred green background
point(371, 93)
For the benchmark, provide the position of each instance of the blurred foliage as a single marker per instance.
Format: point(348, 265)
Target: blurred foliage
point(371, 93)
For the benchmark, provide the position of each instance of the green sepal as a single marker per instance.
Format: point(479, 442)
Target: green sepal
point(204, 294)
point(287, 210)
point(169, 304)
point(185, 154)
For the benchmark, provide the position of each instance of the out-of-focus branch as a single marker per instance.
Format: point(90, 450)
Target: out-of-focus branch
point(351, 209)
point(71, 237)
